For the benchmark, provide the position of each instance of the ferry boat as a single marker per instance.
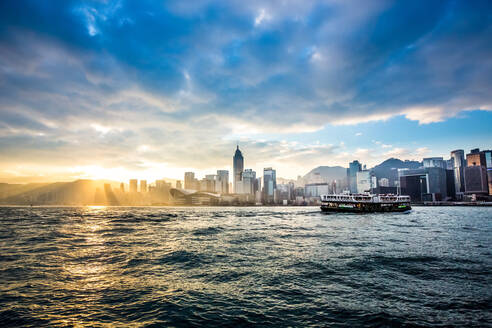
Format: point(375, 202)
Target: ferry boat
point(365, 203)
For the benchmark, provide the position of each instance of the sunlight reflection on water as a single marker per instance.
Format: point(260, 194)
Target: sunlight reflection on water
point(116, 266)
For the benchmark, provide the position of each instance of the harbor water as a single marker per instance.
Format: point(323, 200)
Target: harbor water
point(266, 266)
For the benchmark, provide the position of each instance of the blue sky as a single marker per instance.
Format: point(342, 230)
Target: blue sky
point(149, 89)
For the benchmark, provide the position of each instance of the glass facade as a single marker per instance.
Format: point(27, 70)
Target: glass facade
point(488, 162)
point(354, 167)
point(458, 157)
point(269, 184)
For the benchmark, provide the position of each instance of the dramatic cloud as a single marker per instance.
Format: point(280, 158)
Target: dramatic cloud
point(143, 85)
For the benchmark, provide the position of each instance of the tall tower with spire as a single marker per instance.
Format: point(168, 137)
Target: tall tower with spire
point(238, 167)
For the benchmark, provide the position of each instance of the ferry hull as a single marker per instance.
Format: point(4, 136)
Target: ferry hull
point(365, 208)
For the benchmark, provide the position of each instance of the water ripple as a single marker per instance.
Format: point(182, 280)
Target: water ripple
point(222, 267)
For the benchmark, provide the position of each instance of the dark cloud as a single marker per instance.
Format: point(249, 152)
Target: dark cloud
point(115, 75)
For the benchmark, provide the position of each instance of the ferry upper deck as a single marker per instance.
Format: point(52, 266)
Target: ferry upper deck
point(366, 198)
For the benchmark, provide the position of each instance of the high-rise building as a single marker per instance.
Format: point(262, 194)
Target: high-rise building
point(189, 180)
point(364, 181)
point(488, 164)
point(476, 157)
point(143, 185)
point(269, 185)
point(238, 167)
point(248, 182)
point(122, 187)
point(222, 181)
point(133, 185)
point(354, 167)
point(458, 157)
point(476, 173)
point(179, 185)
point(476, 180)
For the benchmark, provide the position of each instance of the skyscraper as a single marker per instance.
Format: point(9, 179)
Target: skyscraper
point(488, 164)
point(458, 157)
point(354, 167)
point(238, 166)
point(364, 181)
point(269, 185)
point(189, 180)
point(222, 181)
point(248, 182)
point(476, 173)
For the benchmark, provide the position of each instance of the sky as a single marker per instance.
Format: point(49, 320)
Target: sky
point(151, 89)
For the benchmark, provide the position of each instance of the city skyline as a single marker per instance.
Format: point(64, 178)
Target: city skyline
point(433, 179)
point(119, 90)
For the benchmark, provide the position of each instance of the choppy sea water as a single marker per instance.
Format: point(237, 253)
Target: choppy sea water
point(268, 266)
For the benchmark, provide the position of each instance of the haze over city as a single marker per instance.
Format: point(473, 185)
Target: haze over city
point(150, 89)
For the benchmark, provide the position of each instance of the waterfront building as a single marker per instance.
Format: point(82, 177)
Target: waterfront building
point(133, 185)
point(424, 184)
point(269, 185)
point(143, 185)
point(222, 185)
point(450, 184)
point(458, 157)
point(354, 167)
point(238, 167)
point(476, 180)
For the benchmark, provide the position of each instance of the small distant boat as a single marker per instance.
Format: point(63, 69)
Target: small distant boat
point(365, 203)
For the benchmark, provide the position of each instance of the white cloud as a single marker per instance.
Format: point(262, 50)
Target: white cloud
point(262, 16)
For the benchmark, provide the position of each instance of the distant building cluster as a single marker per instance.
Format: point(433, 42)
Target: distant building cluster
point(437, 179)
point(434, 179)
